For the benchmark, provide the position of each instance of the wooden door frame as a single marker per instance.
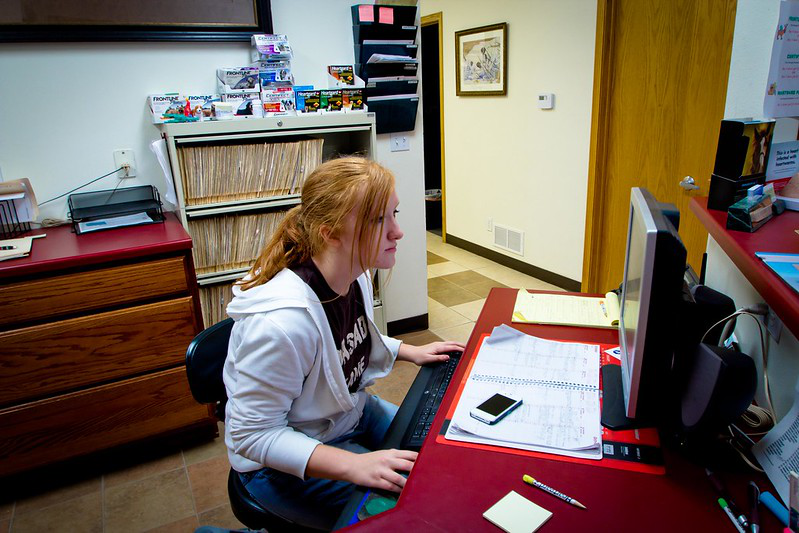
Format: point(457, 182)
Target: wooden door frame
point(597, 155)
point(427, 20)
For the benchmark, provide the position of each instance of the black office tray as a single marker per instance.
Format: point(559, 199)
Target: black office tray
point(97, 205)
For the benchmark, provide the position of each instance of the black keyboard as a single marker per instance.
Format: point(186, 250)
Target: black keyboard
point(415, 416)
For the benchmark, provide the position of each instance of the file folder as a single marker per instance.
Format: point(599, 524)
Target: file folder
point(364, 51)
point(368, 32)
point(394, 113)
point(378, 87)
point(382, 14)
point(378, 70)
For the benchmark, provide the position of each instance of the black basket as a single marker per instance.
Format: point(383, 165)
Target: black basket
point(10, 226)
point(110, 204)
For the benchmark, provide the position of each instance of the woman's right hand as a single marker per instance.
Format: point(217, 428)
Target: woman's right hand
point(380, 469)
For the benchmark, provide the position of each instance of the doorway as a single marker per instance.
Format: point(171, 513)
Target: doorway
point(433, 121)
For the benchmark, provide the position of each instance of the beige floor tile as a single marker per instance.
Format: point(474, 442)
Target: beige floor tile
point(221, 516)
point(444, 318)
point(207, 450)
point(443, 268)
point(534, 283)
point(484, 287)
point(418, 338)
point(68, 492)
point(439, 284)
point(432, 258)
point(470, 310)
point(146, 469)
point(454, 296)
point(77, 514)
point(209, 483)
point(466, 278)
point(185, 525)
point(464, 258)
point(148, 503)
point(458, 333)
point(394, 387)
point(432, 304)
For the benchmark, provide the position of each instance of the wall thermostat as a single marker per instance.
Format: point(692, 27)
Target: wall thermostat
point(546, 101)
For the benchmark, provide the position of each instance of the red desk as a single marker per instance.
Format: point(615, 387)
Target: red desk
point(777, 235)
point(450, 486)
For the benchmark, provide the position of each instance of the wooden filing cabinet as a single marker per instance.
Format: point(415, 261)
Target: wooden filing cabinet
point(93, 334)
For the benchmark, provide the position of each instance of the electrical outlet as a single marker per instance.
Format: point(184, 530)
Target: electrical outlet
point(400, 143)
point(126, 159)
point(489, 224)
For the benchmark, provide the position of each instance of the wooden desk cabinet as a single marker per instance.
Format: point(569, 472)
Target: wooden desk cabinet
point(93, 334)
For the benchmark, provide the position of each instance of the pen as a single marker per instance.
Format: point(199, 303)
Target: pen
point(722, 492)
point(730, 515)
point(754, 513)
point(8, 247)
point(604, 311)
point(531, 481)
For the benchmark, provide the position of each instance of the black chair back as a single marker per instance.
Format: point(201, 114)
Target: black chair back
point(205, 359)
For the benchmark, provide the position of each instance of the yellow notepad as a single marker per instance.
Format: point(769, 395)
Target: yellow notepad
point(516, 514)
point(567, 310)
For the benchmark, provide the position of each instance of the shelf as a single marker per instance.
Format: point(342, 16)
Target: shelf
point(221, 208)
point(269, 126)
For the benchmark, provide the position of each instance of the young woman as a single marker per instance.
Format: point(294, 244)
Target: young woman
point(300, 428)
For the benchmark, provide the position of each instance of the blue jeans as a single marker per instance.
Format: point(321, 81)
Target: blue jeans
point(318, 502)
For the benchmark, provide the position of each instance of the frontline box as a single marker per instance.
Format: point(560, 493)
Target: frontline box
point(163, 105)
point(238, 80)
point(202, 105)
point(242, 102)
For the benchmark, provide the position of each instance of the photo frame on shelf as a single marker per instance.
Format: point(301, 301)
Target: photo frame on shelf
point(145, 20)
point(481, 61)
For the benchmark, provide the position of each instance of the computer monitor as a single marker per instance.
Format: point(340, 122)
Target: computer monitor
point(638, 392)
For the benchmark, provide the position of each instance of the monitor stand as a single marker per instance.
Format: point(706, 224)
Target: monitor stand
point(613, 410)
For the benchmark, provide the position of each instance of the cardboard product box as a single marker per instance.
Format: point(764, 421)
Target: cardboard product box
point(749, 214)
point(238, 80)
point(308, 101)
point(242, 102)
point(277, 72)
point(726, 191)
point(352, 99)
point(165, 104)
point(278, 101)
point(202, 105)
point(743, 148)
point(330, 100)
point(343, 74)
point(270, 47)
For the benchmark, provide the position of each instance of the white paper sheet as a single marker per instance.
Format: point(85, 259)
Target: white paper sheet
point(159, 149)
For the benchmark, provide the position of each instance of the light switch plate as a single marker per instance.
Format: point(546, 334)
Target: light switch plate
point(400, 142)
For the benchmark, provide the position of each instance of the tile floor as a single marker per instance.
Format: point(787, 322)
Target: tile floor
point(177, 488)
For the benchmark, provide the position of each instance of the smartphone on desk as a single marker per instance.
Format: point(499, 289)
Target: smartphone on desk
point(496, 407)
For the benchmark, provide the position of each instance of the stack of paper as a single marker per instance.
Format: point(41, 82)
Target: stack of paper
point(13, 248)
point(559, 386)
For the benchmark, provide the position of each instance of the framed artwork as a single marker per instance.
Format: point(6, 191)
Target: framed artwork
point(140, 20)
point(481, 61)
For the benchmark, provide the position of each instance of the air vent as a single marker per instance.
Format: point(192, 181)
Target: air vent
point(509, 239)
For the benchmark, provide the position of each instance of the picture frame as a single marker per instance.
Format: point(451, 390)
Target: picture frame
point(481, 61)
point(144, 20)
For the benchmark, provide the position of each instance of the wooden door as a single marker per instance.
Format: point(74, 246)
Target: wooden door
point(660, 85)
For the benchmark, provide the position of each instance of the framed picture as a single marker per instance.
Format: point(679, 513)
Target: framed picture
point(142, 20)
point(481, 61)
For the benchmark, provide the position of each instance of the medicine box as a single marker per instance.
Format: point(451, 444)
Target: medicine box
point(202, 105)
point(238, 80)
point(242, 102)
point(165, 104)
point(278, 101)
point(274, 72)
point(307, 101)
point(270, 46)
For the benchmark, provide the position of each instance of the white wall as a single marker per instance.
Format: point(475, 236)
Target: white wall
point(61, 133)
point(508, 160)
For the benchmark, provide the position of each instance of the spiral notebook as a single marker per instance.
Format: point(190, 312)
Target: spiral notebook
point(567, 310)
point(559, 386)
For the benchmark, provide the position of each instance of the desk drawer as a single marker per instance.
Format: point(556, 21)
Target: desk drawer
point(95, 289)
point(78, 352)
point(79, 423)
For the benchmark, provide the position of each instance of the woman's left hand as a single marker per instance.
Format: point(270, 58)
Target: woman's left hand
point(429, 353)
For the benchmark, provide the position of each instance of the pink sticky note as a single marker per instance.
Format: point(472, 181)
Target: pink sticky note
point(366, 13)
point(386, 15)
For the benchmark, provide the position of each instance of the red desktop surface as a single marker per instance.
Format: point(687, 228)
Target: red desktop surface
point(62, 249)
point(450, 487)
point(776, 235)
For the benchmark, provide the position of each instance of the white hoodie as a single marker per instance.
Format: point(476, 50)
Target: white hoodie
point(285, 385)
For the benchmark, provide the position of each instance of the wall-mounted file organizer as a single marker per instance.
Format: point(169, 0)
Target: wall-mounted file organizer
point(391, 83)
point(365, 50)
point(394, 113)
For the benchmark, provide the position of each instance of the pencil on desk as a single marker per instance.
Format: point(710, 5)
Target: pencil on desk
point(532, 481)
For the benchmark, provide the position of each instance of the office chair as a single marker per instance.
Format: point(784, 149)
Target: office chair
point(205, 358)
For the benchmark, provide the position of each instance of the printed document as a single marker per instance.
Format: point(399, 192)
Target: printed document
point(778, 451)
point(559, 386)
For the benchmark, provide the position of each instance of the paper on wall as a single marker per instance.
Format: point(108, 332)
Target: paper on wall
point(159, 149)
